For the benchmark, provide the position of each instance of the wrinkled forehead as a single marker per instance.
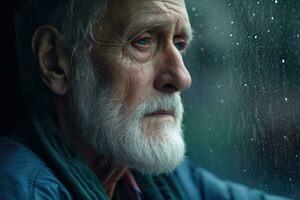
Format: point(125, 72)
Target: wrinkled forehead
point(151, 6)
point(137, 14)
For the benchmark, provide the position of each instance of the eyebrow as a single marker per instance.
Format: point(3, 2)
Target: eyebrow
point(154, 23)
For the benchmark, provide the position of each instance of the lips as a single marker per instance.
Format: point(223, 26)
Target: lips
point(161, 113)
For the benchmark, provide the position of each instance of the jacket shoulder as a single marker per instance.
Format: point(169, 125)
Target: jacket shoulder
point(25, 176)
point(198, 183)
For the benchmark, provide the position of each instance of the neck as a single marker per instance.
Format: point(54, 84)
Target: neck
point(106, 171)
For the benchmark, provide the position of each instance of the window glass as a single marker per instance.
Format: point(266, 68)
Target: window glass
point(242, 110)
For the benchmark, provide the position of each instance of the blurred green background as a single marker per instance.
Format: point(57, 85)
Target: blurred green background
point(242, 111)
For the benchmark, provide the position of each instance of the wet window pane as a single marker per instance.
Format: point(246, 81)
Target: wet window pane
point(242, 111)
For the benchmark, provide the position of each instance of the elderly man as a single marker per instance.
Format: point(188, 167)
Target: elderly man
point(108, 123)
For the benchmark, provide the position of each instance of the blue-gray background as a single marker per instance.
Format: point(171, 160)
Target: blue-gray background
point(242, 111)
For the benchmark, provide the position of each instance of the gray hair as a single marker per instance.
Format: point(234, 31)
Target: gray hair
point(73, 18)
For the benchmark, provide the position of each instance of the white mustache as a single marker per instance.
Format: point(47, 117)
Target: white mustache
point(169, 103)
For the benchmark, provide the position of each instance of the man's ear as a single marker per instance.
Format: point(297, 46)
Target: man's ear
point(52, 63)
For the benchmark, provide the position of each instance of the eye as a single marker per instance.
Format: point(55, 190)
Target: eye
point(143, 42)
point(180, 44)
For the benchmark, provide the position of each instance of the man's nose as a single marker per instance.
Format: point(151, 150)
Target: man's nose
point(172, 75)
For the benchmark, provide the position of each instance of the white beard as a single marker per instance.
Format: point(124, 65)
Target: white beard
point(106, 126)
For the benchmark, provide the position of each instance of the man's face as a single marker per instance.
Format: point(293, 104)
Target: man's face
point(139, 53)
point(133, 113)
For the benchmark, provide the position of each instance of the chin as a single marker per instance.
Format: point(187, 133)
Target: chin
point(158, 154)
point(159, 126)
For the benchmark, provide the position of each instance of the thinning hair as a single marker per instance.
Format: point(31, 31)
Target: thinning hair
point(72, 18)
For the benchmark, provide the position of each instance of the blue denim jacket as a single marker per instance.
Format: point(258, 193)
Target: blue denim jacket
point(24, 176)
